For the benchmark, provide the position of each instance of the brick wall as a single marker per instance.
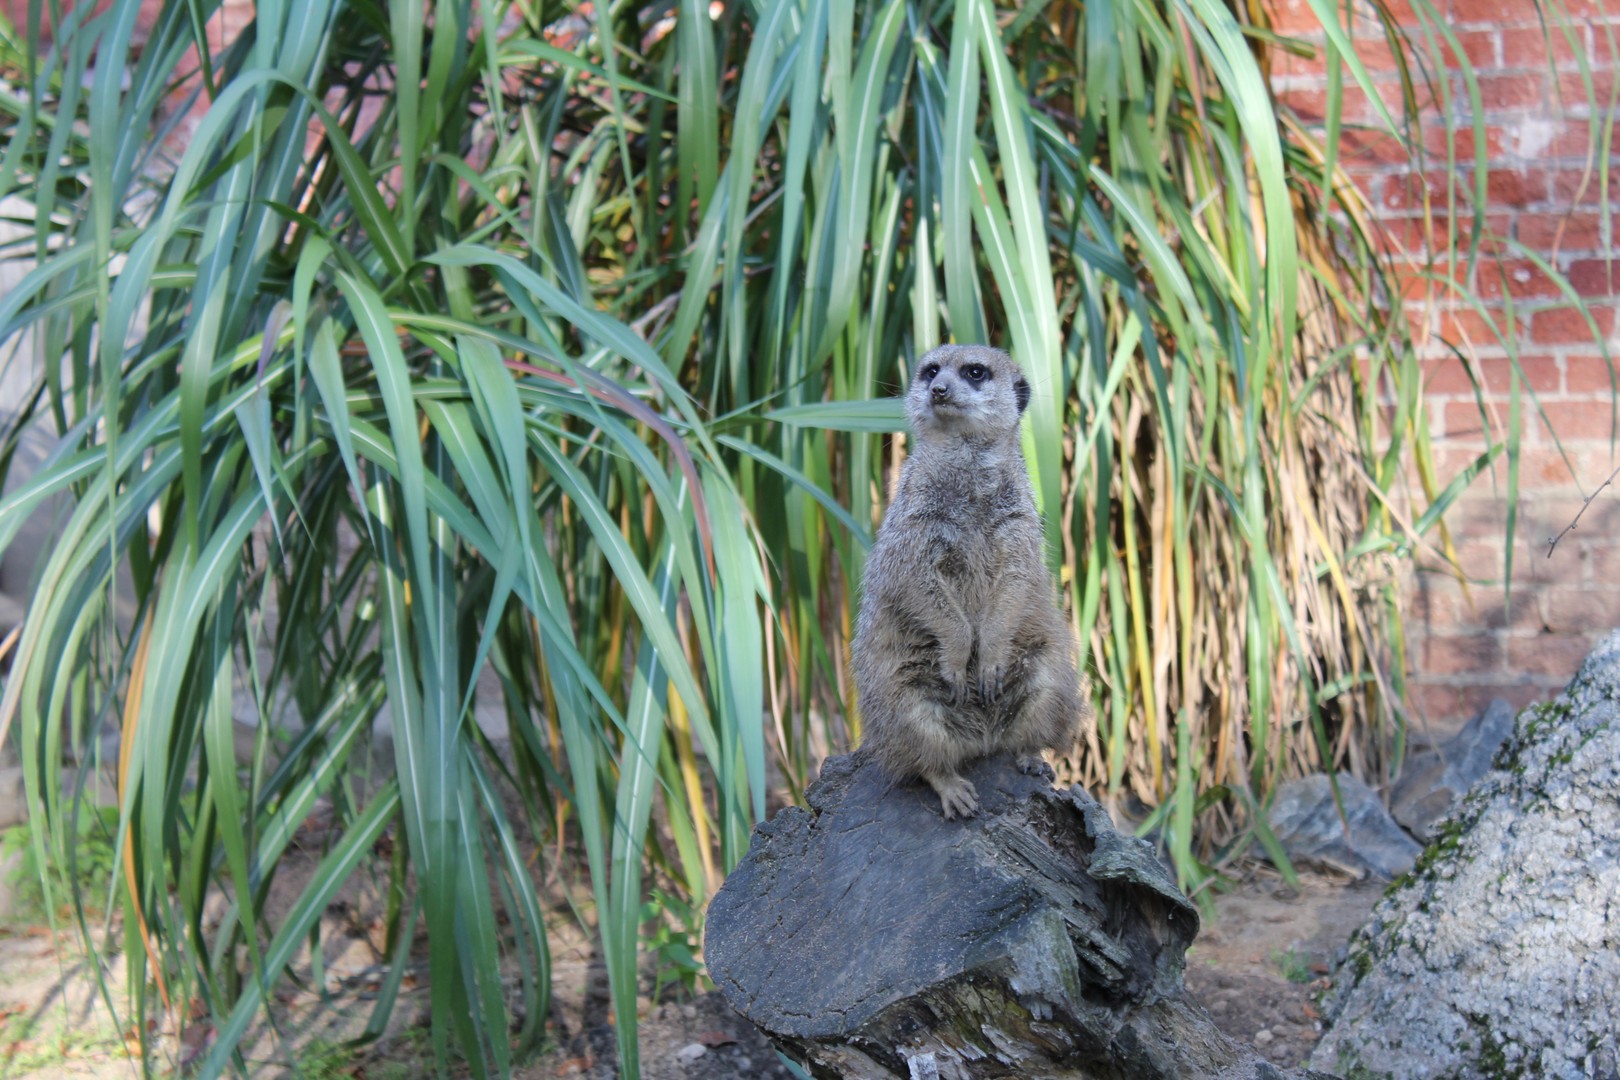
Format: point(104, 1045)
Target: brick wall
point(1469, 643)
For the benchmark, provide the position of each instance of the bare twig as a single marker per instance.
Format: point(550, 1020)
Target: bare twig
point(1552, 541)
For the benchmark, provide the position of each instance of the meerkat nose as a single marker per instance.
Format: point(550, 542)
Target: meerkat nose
point(940, 392)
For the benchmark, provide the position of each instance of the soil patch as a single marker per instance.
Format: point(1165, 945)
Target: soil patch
point(1261, 963)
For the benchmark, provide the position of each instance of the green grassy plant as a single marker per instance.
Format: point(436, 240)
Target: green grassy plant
point(88, 867)
point(558, 342)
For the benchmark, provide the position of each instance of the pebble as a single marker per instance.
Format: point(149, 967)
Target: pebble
point(1263, 1036)
point(691, 1052)
point(689, 1011)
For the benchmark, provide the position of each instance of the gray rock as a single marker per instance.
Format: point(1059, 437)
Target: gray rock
point(10, 866)
point(1433, 782)
point(1365, 841)
point(13, 801)
point(869, 937)
point(1497, 956)
point(11, 613)
point(100, 789)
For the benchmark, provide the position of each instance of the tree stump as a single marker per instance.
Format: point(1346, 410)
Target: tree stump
point(869, 937)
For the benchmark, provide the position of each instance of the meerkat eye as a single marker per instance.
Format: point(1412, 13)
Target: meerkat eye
point(975, 373)
point(929, 372)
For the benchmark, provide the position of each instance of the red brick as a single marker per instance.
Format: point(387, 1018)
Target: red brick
point(1494, 12)
point(1461, 136)
point(1544, 469)
point(1294, 18)
point(1420, 278)
point(1592, 278)
point(1520, 277)
point(1447, 608)
point(1530, 48)
point(1371, 184)
point(1573, 141)
point(1402, 12)
point(1452, 456)
point(1405, 191)
point(1307, 103)
point(1591, 374)
point(1555, 655)
point(1513, 92)
point(1583, 187)
point(1509, 186)
point(1463, 420)
point(1565, 325)
point(1479, 46)
point(1448, 375)
point(1479, 513)
point(1587, 10)
point(1581, 231)
point(1447, 707)
point(1370, 146)
point(1468, 326)
point(1589, 419)
point(1439, 705)
point(1585, 609)
point(1479, 557)
point(1541, 373)
point(1522, 694)
point(1412, 229)
point(1570, 91)
point(1375, 54)
point(1446, 655)
point(1401, 236)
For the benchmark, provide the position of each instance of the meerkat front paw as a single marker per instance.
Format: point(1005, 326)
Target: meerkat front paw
point(992, 680)
point(957, 796)
point(1035, 765)
point(953, 670)
point(995, 666)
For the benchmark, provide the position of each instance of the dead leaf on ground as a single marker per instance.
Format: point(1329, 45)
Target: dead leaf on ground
point(712, 1039)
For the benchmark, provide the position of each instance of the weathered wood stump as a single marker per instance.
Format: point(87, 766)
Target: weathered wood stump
point(869, 937)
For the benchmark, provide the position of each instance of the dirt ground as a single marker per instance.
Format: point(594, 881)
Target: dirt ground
point(1257, 966)
point(1261, 963)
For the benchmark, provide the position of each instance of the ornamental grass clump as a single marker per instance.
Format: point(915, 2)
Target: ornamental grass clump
point(386, 347)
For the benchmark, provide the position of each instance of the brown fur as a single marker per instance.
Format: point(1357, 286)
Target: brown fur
point(960, 648)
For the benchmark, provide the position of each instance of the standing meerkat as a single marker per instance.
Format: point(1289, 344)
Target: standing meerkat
point(960, 647)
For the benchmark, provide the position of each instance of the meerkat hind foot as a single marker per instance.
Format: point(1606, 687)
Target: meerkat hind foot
point(957, 796)
point(1035, 765)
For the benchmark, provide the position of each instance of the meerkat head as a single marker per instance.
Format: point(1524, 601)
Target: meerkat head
point(967, 391)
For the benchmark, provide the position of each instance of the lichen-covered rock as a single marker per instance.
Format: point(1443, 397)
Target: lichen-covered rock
point(1499, 956)
point(871, 938)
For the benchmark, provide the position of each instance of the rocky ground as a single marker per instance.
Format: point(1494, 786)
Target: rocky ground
point(1256, 966)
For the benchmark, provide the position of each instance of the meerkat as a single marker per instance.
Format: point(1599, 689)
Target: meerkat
point(960, 647)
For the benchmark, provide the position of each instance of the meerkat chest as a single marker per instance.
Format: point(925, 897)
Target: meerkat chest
point(972, 526)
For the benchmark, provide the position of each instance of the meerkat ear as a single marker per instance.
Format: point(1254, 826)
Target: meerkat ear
point(1021, 391)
